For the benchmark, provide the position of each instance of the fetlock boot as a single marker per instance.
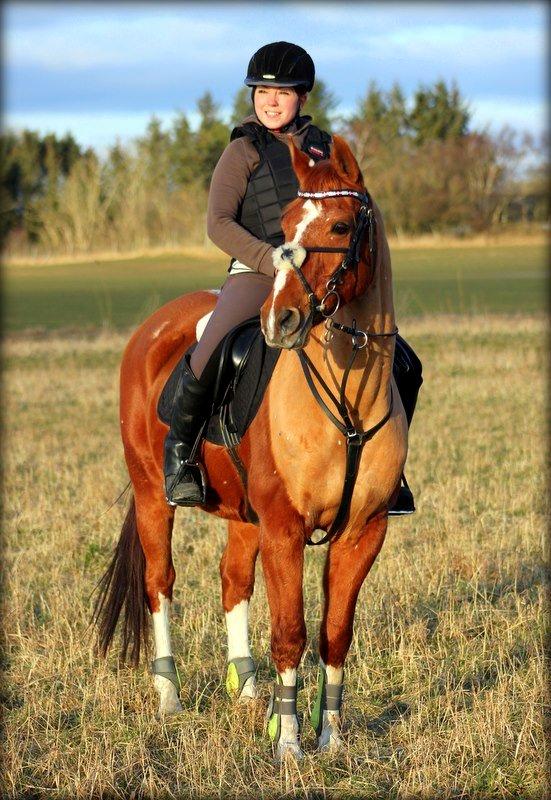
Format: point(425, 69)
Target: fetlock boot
point(184, 477)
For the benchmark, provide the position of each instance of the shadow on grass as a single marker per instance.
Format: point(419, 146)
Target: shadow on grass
point(392, 714)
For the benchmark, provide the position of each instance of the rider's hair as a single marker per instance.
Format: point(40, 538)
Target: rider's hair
point(297, 89)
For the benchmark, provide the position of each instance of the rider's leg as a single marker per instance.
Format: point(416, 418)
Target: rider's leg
point(407, 371)
point(240, 298)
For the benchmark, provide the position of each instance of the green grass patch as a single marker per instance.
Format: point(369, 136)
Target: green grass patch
point(121, 293)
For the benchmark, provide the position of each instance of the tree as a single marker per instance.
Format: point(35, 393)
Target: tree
point(211, 138)
point(438, 113)
point(320, 106)
point(380, 120)
point(242, 106)
point(154, 150)
point(182, 152)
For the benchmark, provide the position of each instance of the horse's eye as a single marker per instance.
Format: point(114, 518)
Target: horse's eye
point(340, 227)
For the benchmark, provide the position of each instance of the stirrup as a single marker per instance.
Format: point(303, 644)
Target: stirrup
point(197, 471)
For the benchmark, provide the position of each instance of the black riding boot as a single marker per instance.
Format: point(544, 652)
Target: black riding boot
point(407, 371)
point(184, 483)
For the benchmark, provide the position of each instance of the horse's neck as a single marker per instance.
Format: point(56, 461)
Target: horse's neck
point(368, 385)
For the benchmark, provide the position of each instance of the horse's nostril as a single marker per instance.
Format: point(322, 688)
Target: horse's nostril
point(288, 320)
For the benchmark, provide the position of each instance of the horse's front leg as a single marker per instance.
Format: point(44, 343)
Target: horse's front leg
point(282, 553)
point(237, 574)
point(348, 561)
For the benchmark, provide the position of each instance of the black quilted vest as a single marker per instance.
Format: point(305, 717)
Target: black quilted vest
point(273, 183)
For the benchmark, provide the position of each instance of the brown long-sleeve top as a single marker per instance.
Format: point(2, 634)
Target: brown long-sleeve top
point(227, 190)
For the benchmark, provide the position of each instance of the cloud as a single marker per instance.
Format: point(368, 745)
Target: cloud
point(82, 43)
point(464, 44)
point(519, 113)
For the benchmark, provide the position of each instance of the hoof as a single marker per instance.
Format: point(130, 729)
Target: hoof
point(330, 740)
point(169, 710)
point(169, 702)
point(249, 691)
point(288, 750)
point(330, 743)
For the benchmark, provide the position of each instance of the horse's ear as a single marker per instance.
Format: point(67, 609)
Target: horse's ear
point(344, 162)
point(300, 161)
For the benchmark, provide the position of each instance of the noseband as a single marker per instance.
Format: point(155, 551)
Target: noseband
point(365, 219)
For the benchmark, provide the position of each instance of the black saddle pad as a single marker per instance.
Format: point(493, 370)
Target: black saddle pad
point(244, 376)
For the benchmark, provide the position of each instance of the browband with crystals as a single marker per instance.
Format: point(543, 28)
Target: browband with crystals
point(334, 193)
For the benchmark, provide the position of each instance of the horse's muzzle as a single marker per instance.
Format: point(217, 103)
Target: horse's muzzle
point(289, 329)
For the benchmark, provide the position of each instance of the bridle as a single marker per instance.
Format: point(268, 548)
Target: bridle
point(355, 439)
point(365, 219)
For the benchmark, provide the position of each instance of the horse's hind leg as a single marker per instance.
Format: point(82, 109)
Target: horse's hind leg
point(237, 574)
point(349, 559)
point(155, 520)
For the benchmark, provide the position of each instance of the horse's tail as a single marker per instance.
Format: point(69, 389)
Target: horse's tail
point(122, 588)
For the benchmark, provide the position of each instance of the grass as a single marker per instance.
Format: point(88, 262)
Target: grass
point(121, 293)
point(445, 690)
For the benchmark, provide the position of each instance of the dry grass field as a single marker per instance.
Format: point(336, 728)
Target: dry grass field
point(445, 690)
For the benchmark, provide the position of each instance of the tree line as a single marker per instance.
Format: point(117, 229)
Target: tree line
point(428, 170)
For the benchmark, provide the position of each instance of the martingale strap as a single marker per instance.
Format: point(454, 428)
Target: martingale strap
point(355, 439)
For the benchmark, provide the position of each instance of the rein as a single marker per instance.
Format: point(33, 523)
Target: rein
point(355, 439)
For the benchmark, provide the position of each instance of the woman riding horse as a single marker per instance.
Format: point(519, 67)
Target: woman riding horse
point(251, 184)
point(294, 456)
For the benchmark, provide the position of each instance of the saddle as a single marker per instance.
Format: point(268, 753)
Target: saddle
point(241, 368)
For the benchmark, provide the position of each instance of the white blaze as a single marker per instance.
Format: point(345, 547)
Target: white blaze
point(283, 267)
point(311, 212)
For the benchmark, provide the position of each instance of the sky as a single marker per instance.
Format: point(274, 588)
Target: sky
point(101, 70)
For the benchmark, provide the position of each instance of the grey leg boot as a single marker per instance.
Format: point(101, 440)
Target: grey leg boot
point(185, 484)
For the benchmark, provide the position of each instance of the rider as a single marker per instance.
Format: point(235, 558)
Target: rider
point(251, 183)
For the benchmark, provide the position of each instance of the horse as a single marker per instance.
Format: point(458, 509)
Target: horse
point(296, 457)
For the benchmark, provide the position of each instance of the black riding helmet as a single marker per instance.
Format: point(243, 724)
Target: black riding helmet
point(283, 64)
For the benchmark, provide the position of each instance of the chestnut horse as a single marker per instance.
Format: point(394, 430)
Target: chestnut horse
point(293, 453)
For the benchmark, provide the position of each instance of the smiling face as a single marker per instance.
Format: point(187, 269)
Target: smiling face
point(276, 106)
